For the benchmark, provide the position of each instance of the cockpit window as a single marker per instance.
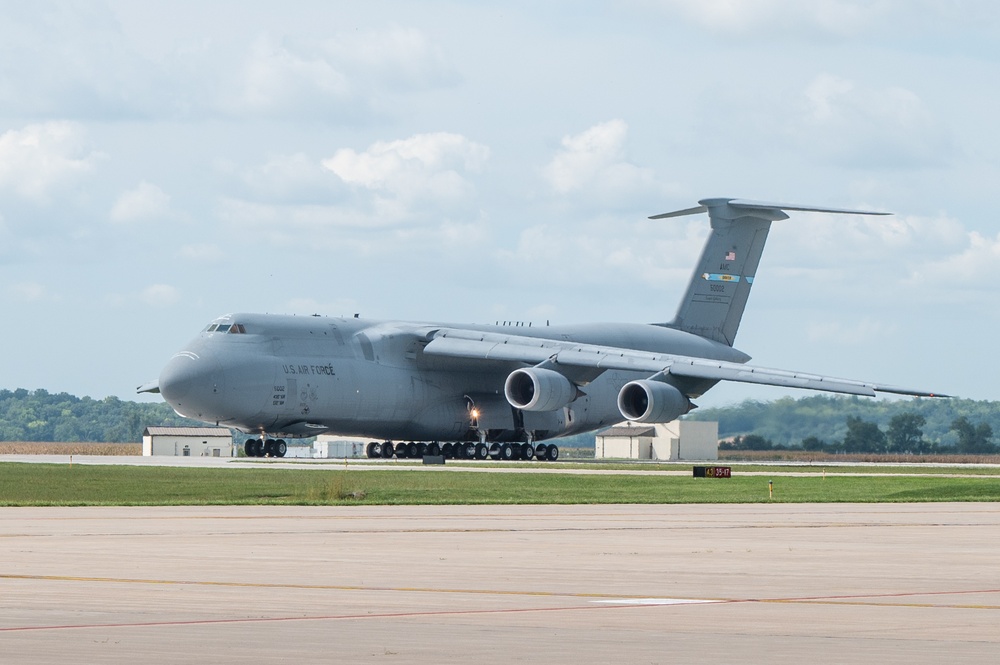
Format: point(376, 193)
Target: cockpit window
point(234, 328)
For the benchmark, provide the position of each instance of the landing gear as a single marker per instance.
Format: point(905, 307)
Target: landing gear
point(265, 447)
point(459, 450)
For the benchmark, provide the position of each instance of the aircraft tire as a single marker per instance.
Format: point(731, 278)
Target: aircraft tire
point(552, 452)
point(447, 450)
point(541, 450)
point(482, 452)
point(387, 449)
point(470, 451)
point(370, 450)
point(268, 450)
point(506, 452)
point(433, 448)
point(400, 450)
point(280, 448)
point(494, 451)
point(412, 450)
point(527, 451)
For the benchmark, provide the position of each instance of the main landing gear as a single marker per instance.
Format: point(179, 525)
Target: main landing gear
point(463, 450)
point(265, 447)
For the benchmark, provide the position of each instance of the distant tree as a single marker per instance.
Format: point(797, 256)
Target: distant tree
point(973, 439)
point(751, 442)
point(813, 443)
point(864, 437)
point(905, 434)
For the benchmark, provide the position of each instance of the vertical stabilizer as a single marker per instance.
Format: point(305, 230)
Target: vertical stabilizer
point(718, 291)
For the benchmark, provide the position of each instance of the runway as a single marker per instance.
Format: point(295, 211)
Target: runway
point(788, 583)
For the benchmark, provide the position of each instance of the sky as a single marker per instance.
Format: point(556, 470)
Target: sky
point(163, 163)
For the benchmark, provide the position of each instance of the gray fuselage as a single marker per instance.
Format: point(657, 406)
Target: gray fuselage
point(303, 375)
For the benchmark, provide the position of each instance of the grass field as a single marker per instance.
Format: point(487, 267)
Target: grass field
point(54, 484)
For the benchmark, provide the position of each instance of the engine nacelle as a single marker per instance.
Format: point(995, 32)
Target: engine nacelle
point(652, 402)
point(536, 389)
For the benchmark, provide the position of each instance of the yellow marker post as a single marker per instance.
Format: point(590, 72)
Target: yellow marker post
point(770, 489)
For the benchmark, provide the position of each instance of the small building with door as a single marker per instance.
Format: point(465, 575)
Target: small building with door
point(678, 440)
point(188, 442)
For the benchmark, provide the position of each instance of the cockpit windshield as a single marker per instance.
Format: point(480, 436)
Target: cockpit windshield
point(226, 327)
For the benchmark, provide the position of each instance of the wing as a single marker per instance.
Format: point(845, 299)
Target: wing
point(475, 345)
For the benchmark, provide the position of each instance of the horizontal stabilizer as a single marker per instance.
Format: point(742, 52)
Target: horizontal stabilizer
point(743, 203)
point(763, 205)
point(149, 387)
point(680, 213)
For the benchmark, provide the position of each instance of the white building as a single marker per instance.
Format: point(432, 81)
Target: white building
point(188, 441)
point(678, 440)
point(329, 446)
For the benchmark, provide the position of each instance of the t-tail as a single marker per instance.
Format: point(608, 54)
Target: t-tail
point(717, 293)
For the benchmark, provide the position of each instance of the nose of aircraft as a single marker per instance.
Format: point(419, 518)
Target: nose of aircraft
point(192, 383)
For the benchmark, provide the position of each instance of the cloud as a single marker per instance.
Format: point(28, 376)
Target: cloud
point(28, 291)
point(278, 79)
point(853, 261)
point(970, 268)
point(294, 178)
point(346, 76)
point(855, 125)
point(203, 252)
point(612, 252)
point(41, 157)
point(160, 295)
point(767, 17)
point(849, 242)
point(145, 202)
point(63, 59)
point(397, 57)
point(421, 181)
point(407, 176)
point(593, 164)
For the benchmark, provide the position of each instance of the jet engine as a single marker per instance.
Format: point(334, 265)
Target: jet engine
point(537, 389)
point(652, 402)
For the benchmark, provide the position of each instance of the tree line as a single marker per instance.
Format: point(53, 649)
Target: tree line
point(944, 424)
point(904, 435)
point(39, 415)
point(818, 422)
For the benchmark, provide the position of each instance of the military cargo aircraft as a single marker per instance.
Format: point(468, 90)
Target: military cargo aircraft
point(473, 391)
